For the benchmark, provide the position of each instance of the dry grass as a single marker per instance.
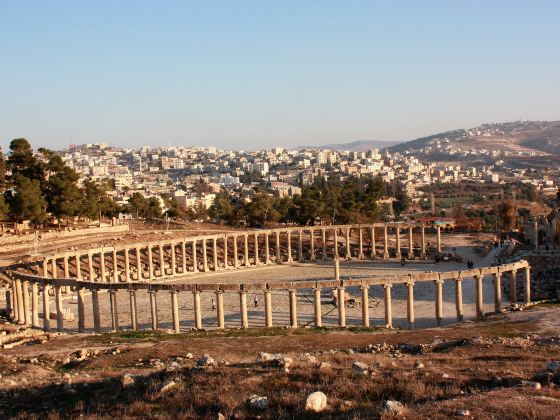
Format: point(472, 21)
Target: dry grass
point(480, 376)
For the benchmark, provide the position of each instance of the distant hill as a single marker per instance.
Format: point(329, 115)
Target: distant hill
point(355, 146)
point(539, 138)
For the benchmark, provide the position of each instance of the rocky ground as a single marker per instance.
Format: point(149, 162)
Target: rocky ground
point(506, 366)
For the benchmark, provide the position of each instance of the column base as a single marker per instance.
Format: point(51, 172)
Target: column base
point(361, 257)
point(386, 256)
point(423, 255)
point(398, 256)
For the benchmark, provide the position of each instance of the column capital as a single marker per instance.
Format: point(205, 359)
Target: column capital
point(388, 285)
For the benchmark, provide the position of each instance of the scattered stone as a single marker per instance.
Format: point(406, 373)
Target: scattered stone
point(257, 403)
point(394, 407)
point(462, 413)
point(419, 365)
point(359, 368)
point(445, 376)
point(189, 356)
point(316, 402)
point(127, 380)
point(206, 360)
point(220, 416)
point(324, 365)
point(66, 361)
point(308, 358)
point(531, 384)
point(167, 386)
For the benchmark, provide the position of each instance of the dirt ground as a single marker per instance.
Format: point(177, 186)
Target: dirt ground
point(495, 368)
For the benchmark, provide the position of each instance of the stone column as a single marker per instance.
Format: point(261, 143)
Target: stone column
point(220, 309)
point(102, 266)
point(337, 270)
point(497, 292)
point(127, 264)
point(46, 308)
point(81, 310)
point(527, 285)
point(365, 305)
point(278, 248)
point(197, 310)
point(335, 243)
point(96, 313)
point(66, 267)
point(54, 268)
point(536, 234)
point(153, 309)
point(410, 303)
point(114, 310)
point(133, 309)
point(256, 246)
point(34, 305)
point(45, 266)
point(139, 269)
point(173, 260)
point(459, 298)
point(439, 239)
point(385, 244)
point(410, 244)
point(293, 308)
point(246, 249)
point(195, 262)
point(15, 302)
point(324, 243)
point(360, 243)
point(289, 246)
point(91, 272)
point(161, 260)
point(78, 267)
point(150, 262)
point(175, 311)
point(204, 256)
point(226, 252)
point(59, 312)
point(300, 245)
point(479, 302)
point(266, 249)
point(348, 249)
point(372, 236)
point(268, 308)
point(184, 257)
point(398, 242)
point(388, 308)
point(26, 311)
point(439, 301)
point(215, 253)
point(10, 301)
point(341, 307)
point(235, 256)
point(115, 266)
point(422, 242)
point(312, 244)
point(19, 298)
point(243, 308)
point(513, 287)
point(317, 313)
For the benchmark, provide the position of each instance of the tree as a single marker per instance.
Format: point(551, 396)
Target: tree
point(402, 201)
point(4, 210)
point(507, 215)
point(94, 201)
point(22, 161)
point(26, 202)
point(62, 194)
point(2, 172)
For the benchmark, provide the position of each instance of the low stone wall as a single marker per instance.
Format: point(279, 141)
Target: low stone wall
point(14, 243)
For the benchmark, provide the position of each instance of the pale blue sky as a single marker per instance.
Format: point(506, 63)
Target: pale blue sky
point(252, 74)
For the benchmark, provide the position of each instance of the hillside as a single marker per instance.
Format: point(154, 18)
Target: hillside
point(355, 146)
point(522, 138)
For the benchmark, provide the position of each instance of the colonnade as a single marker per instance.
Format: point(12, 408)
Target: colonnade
point(163, 259)
point(23, 297)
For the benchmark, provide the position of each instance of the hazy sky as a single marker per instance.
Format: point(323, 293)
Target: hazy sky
point(251, 74)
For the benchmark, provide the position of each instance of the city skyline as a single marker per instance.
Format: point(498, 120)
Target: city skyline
point(253, 75)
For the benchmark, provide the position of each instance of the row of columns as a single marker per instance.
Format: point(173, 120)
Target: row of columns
point(26, 311)
point(159, 269)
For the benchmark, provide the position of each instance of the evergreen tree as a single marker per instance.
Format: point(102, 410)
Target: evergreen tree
point(62, 195)
point(26, 202)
